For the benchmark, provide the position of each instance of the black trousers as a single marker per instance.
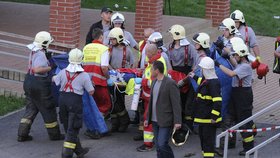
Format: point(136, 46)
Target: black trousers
point(240, 108)
point(39, 99)
point(119, 115)
point(71, 116)
point(207, 135)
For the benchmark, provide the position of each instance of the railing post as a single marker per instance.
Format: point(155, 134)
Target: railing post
point(226, 145)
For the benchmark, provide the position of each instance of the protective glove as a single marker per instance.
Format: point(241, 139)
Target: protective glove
point(110, 82)
point(48, 55)
point(225, 55)
point(138, 80)
point(217, 63)
point(219, 43)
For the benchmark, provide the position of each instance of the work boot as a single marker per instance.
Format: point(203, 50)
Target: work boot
point(57, 137)
point(243, 152)
point(115, 124)
point(92, 135)
point(80, 151)
point(23, 139)
point(144, 148)
point(67, 153)
point(124, 122)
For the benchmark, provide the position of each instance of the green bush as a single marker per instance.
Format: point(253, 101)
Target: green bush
point(9, 104)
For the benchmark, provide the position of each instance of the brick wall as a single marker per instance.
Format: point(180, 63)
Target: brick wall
point(217, 10)
point(64, 22)
point(148, 14)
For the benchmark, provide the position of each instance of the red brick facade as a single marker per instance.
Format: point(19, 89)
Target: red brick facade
point(147, 14)
point(64, 21)
point(217, 10)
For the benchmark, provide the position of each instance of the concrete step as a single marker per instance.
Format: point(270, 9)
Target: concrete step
point(11, 88)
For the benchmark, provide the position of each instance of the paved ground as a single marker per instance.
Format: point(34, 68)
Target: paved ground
point(28, 19)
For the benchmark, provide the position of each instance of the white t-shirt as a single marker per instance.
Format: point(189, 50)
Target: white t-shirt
point(105, 59)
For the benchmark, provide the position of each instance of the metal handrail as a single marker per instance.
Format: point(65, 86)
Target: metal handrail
point(226, 134)
point(255, 149)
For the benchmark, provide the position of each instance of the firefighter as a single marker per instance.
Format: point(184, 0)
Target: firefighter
point(104, 24)
point(247, 33)
point(153, 55)
point(241, 104)
point(121, 57)
point(118, 21)
point(37, 88)
point(96, 63)
point(207, 112)
point(73, 81)
point(183, 55)
point(156, 38)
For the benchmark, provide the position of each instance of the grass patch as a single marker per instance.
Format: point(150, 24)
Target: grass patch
point(258, 13)
point(9, 104)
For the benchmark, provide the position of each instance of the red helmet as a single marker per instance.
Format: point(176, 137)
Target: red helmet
point(262, 70)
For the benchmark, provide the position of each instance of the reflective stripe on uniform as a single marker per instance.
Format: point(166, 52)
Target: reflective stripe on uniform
point(208, 154)
point(69, 145)
point(91, 63)
point(51, 125)
point(188, 118)
point(217, 99)
point(26, 121)
point(146, 94)
point(248, 139)
point(206, 97)
point(198, 120)
point(215, 112)
point(199, 80)
point(148, 136)
point(97, 75)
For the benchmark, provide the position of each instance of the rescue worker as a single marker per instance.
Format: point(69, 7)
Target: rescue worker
point(241, 104)
point(143, 62)
point(117, 21)
point(183, 55)
point(121, 57)
point(104, 24)
point(153, 55)
point(207, 112)
point(247, 33)
point(37, 88)
point(96, 63)
point(73, 81)
point(156, 38)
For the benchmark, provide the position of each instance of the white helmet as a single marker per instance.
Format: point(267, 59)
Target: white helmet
point(43, 39)
point(156, 38)
point(116, 33)
point(117, 17)
point(207, 63)
point(203, 39)
point(177, 31)
point(237, 15)
point(229, 24)
point(236, 41)
point(241, 50)
point(76, 56)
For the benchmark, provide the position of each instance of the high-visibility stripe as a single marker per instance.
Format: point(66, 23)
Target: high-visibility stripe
point(248, 139)
point(217, 99)
point(91, 63)
point(69, 145)
point(26, 121)
point(148, 136)
point(215, 112)
point(198, 120)
point(199, 80)
point(188, 118)
point(146, 94)
point(97, 75)
point(51, 125)
point(208, 154)
point(206, 97)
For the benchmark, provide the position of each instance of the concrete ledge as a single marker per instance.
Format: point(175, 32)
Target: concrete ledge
point(12, 74)
point(9, 93)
